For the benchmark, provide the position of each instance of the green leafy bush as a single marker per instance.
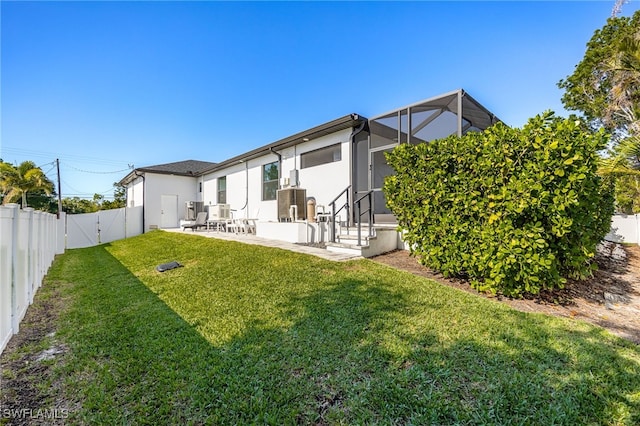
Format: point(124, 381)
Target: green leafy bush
point(514, 210)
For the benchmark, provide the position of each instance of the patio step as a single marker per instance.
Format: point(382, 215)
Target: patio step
point(352, 239)
point(351, 234)
point(347, 242)
point(347, 249)
point(385, 239)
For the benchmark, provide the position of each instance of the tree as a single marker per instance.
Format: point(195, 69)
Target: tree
point(119, 198)
point(78, 205)
point(628, 194)
point(17, 182)
point(119, 194)
point(624, 100)
point(604, 85)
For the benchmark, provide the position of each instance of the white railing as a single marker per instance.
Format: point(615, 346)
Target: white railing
point(29, 240)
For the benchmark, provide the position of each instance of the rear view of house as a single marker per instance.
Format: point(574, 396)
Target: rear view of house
point(338, 165)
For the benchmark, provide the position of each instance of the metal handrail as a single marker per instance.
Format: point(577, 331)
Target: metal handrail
point(334, 212)
point(369, 196)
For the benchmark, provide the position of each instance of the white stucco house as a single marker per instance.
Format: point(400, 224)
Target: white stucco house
point(163, 190)
point(341, 161)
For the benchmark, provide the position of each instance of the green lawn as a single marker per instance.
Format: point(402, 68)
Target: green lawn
point(246, 334)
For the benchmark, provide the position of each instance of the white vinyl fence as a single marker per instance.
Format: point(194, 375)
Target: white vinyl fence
point(28, 244)
point(30, 239)
point(625, 229)
point(91, 229)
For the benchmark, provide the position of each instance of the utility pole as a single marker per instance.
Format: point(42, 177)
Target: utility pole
point(59, 189)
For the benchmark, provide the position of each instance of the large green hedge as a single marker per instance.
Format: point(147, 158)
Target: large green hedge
point(514, 210)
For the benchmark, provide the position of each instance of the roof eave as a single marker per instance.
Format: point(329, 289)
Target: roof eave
point(342, 123)
point(131, 176)
point(128, 178)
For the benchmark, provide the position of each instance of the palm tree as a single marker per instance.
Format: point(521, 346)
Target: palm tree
point(16, 182)
point(623, 70)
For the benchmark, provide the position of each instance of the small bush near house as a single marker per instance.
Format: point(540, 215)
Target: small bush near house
point(514, 210)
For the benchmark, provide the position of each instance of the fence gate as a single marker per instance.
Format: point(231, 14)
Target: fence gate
point(82, 230)
point(111, 225)
point(91, 229)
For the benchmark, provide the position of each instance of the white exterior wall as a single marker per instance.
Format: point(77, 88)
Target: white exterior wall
point(243, 204)
point(322, 182)
point(156, 185)
point(236, 188)
point(135, 193)
point(210, 189)
point(326, 181)
point(262, 210)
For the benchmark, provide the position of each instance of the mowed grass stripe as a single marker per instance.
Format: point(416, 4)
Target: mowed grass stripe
point(247, 334)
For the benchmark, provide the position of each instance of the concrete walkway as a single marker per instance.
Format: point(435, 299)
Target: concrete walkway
point(252, 239)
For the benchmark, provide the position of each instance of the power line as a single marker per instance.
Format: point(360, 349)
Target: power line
point(51, 163)
point(74, 189)
point(96, 172)
point(69, 157)
point(66, 163)
point(53, 166)
point(86, 193)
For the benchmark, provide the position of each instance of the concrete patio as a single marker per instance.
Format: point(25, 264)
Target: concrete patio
point(252, 239)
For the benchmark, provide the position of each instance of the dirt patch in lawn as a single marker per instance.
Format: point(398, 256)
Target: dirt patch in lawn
point(29, 392)
point(610, 298)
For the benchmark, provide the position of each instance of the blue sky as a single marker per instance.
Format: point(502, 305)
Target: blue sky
point(105, 85)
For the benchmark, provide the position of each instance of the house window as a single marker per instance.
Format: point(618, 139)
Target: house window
point(222, 190)
point(199, 186)
point(269, 181)
point(324, 155)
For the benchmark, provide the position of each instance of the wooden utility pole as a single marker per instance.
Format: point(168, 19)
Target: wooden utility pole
point(59, 189)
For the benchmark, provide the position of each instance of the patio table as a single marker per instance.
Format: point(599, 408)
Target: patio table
point(218, 224)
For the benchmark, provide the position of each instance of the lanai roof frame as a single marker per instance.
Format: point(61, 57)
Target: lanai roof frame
point(473, 115)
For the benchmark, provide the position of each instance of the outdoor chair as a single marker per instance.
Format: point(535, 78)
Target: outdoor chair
point(201, 222)
point(242, 226)
point(219, 216)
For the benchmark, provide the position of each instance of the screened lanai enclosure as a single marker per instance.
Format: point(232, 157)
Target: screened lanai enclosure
point(453, 113)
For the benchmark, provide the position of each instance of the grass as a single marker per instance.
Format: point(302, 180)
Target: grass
point(253, 335)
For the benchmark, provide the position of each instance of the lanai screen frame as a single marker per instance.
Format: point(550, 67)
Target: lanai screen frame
point(474, 115)
point(455, 112)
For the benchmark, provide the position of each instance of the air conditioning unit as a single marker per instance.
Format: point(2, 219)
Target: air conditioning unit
point(192, 208)
point(292, 197)
point(220, 212)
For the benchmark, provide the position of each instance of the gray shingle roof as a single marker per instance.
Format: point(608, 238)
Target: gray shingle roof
point(187, 167)
point(180, 168)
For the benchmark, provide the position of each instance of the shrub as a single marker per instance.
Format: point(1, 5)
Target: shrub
point(514, 210)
